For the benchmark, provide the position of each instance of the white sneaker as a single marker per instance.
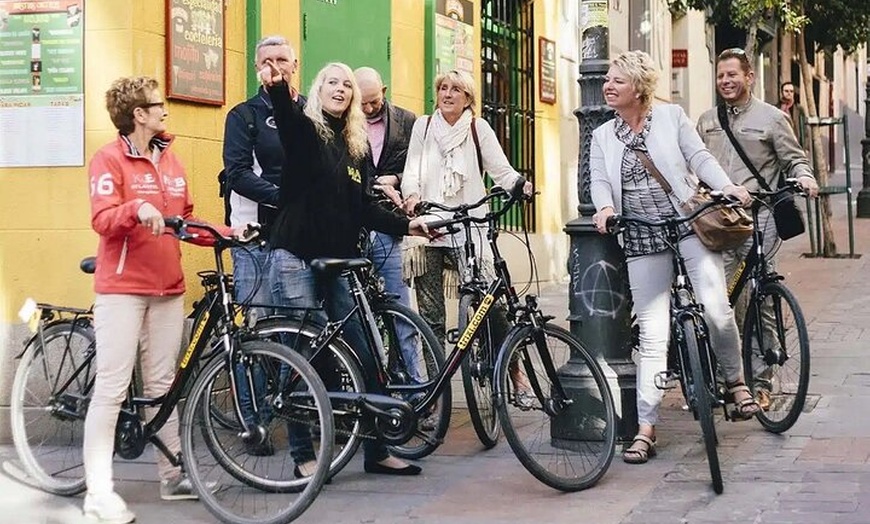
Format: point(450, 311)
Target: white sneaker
point(107, 508)
point(180, 488)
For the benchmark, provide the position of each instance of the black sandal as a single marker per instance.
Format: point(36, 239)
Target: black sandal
point(640, 455)
point(744, 409)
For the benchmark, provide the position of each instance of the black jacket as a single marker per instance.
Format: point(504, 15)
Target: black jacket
point(322, 205)
point(253, 160)
point(399, 123)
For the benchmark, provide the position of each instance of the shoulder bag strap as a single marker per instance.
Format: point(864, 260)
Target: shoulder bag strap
point(653, 170)
point(723, 121)
point(476, 140)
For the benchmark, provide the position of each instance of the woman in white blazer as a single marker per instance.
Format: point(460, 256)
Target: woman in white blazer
point(621, 184)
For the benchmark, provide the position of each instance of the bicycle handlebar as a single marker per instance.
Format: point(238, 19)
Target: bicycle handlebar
point(615, 223)
point(791, 186)
point(179, 228)
point(461, 212)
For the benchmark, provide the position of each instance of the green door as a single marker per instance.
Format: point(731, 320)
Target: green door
point(356, 32)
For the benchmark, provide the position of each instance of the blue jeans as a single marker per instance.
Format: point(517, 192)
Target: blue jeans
point(295, 284)
point(386, 256)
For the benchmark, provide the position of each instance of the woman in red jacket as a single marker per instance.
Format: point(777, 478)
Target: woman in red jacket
point(134, 182)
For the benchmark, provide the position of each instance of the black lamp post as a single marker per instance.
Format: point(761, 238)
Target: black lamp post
point(864, 194)
point(598, 296)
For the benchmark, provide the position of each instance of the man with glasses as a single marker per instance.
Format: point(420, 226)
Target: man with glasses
point(765, 133)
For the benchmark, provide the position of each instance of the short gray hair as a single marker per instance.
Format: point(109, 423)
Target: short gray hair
point(271, 41)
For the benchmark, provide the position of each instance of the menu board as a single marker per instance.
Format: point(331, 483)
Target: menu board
point(454, 36)
point(195, 53)
point(41, 83)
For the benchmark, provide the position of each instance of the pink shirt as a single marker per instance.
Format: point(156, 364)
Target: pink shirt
point(376, 131)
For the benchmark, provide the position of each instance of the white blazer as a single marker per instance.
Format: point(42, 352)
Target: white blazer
point(674, 147)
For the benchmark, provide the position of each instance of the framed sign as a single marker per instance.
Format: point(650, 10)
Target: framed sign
point(195, 51)
point(547, 70)
point(42, 104)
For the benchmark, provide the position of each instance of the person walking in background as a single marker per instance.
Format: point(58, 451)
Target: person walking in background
point(322, 207)
point(252, 166)
point(389, 130)
point(788, 104)
point(134, 181)
point(621, 183)
point(768, 139)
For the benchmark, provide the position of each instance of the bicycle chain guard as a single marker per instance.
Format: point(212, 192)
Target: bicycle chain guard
point(129, 435)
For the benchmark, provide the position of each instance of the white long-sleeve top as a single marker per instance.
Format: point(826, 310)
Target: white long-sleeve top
point(424, 165)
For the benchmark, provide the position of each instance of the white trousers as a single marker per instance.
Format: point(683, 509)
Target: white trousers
point(650, 278)
point(123, 324)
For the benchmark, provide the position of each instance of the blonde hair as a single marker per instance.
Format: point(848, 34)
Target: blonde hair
point(124, 96)
point(355, 120)
point(641, 70)
point(461, 79)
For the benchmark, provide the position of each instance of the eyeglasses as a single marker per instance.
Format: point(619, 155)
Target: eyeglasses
point(732, 52)
point(149, 105)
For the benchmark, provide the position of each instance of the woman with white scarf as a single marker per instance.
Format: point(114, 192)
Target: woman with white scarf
point(442, 166)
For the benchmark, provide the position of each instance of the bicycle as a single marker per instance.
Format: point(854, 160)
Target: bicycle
point(583, 443)
point(293, 390)
point(777, 363)
point(689, 347)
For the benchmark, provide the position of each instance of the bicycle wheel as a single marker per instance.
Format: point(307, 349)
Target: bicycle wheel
point(414, 356)
point(340, 372)
point(777, 364)
point(700, 400)
point(50, 396)
point(477, 374)
point(256, 489)
point(571, 450)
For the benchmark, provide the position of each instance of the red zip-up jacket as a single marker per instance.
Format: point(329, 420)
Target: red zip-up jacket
point(131, 260)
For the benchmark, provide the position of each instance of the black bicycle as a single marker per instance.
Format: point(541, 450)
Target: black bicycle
point(690, 353)
point(776, 345)
point(55, 380)
point(562, 428)
point(478, 369)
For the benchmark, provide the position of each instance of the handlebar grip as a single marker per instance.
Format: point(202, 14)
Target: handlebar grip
point(613, 224)
point(173, 222)
point(438, 224)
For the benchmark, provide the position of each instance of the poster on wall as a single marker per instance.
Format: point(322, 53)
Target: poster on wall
point(195, 52)
point(42, 107)
point(454, 36)
point(547, 70)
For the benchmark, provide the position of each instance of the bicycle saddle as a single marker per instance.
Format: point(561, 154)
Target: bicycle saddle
point(337, 265)
point(88, 265)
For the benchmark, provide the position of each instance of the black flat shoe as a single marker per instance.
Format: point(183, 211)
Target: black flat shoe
point(378, 469)
point(298, 474)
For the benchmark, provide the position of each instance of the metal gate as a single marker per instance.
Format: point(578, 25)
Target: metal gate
point(508, 87)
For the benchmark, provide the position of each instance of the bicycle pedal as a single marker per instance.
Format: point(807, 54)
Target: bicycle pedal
point(667, 379)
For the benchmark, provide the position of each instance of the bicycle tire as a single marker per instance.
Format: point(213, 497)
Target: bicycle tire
point(701, 402)
point(432, 427)
point(49, 441)
point(478, 369)
point(210, 468)
point(577, 445)
point(348, 428)
point(786, 374)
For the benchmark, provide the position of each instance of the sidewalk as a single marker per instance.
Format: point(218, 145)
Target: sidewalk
point(819, 472)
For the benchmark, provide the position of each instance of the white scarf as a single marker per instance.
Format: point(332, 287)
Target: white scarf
point(454, 165)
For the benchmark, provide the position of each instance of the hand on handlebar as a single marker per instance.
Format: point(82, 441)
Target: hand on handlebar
point(809, 185)
point(417, 227)
point(151, 218)
point(410, 204)
point(247, 233)
point(738, 193)
point(600, 219)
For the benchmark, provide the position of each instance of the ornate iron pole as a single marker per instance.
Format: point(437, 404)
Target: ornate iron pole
point(864, 194)
point(599, 301)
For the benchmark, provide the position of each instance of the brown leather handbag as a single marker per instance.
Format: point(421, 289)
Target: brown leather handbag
point(721, 228)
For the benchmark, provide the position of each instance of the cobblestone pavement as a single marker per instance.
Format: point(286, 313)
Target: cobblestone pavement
point(818, 472)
